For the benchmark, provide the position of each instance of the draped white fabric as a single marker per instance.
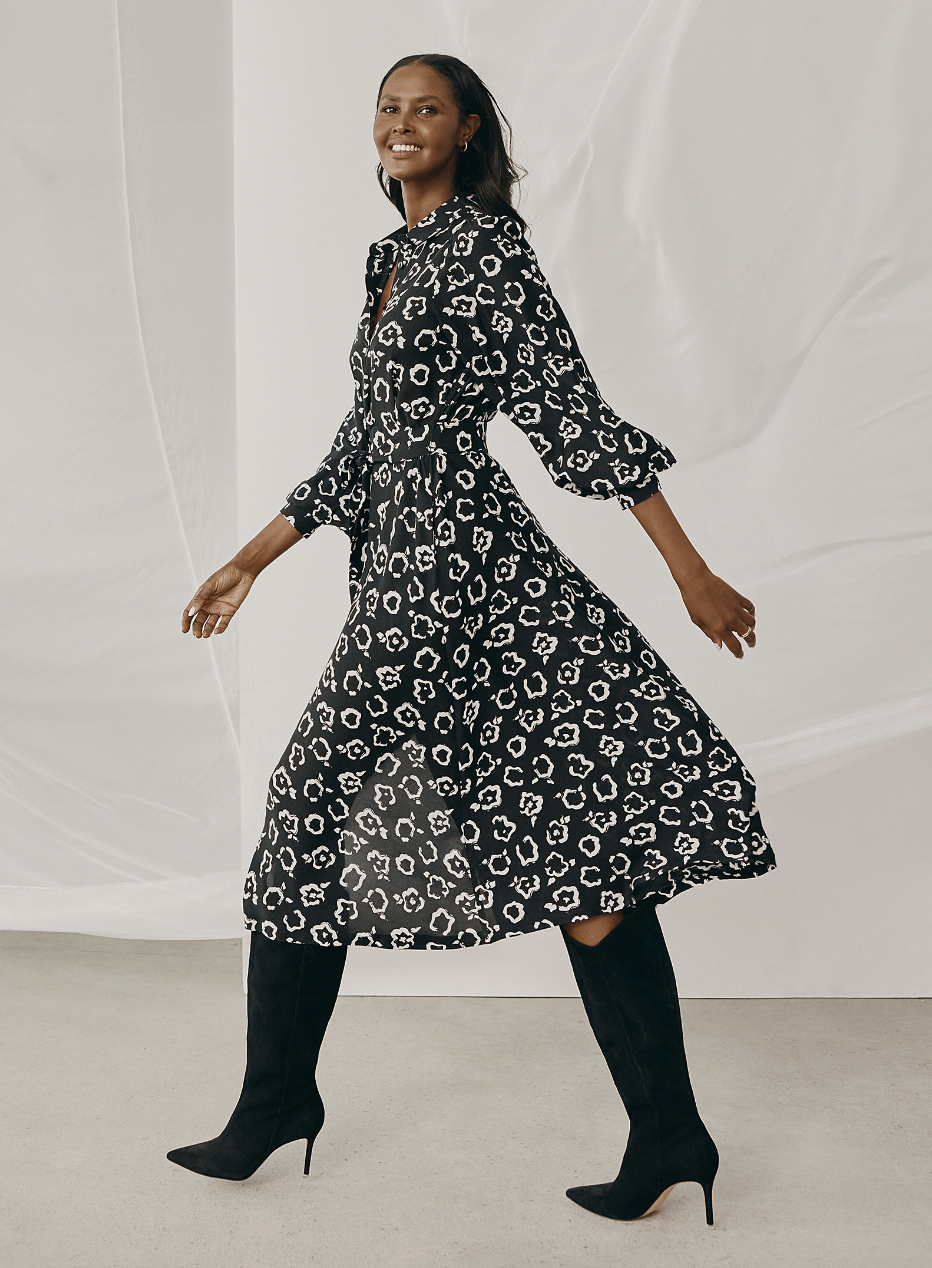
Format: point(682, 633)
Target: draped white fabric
point(120, 782)
point(730, 200)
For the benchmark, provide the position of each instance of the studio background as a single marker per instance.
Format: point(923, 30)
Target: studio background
point(731, 202)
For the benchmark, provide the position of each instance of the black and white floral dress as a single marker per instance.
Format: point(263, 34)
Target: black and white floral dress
point(493, 747)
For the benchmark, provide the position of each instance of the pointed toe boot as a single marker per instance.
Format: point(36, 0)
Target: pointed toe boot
point(291, 992)
point(629, 992)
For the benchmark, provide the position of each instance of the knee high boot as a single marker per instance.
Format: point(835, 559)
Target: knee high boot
point(629, 991)
point(291, 992)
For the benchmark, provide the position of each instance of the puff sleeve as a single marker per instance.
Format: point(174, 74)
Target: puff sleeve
point(519, 345)
point(336, 493)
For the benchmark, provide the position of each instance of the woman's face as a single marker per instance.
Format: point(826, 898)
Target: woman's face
point(418, 131)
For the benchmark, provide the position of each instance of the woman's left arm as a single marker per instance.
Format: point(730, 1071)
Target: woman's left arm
point(723, 615)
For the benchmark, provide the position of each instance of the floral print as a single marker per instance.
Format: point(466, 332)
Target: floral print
point(493, 747)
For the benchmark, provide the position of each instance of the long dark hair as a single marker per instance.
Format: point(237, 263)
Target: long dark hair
point(486, 169)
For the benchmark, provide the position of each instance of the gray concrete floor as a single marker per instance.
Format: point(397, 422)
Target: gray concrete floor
point(454, 1126)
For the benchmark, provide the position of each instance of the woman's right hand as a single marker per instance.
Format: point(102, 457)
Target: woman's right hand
point(216, 602)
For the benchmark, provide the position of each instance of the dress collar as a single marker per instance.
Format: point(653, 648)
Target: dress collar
point(435, 222)
point(442, 217)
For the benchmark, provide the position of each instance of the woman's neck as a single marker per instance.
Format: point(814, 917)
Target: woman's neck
point(420, 203)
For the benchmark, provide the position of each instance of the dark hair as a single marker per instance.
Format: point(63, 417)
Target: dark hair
point(486, 169)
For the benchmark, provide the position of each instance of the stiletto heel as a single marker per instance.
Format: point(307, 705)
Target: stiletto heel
point(310, 1146)
point(707, 1190)
point(291, 991)
point(629, 991)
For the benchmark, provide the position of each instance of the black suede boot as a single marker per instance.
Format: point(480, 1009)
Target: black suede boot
point(292, 989)
point(629, 991)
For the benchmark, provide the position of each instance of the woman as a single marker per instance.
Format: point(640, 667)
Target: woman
point(493, 748)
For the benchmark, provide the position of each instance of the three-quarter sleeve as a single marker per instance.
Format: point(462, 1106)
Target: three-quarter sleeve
point(335, 494)
point(520, 346)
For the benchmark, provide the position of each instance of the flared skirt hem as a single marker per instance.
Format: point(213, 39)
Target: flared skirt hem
point(658, 888)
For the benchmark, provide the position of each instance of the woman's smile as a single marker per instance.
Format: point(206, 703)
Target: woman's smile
point(421, 134)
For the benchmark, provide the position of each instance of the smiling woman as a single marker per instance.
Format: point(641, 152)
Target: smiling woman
point(494, 748)
point(438, 128)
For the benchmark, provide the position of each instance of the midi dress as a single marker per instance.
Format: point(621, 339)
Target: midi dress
point(493, 747)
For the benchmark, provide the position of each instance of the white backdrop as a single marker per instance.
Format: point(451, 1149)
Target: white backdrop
point(120, 783)
point(731, 202)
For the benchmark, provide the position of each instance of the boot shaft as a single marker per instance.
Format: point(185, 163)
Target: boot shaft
point(292, 990)
point(628, 989)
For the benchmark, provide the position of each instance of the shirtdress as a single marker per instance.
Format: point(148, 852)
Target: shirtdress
point(493, 747)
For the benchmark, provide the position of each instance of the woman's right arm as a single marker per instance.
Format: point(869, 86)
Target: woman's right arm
point(216, 602)
point(333, 495)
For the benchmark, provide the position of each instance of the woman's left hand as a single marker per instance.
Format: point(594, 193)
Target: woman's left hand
point(723, 615)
